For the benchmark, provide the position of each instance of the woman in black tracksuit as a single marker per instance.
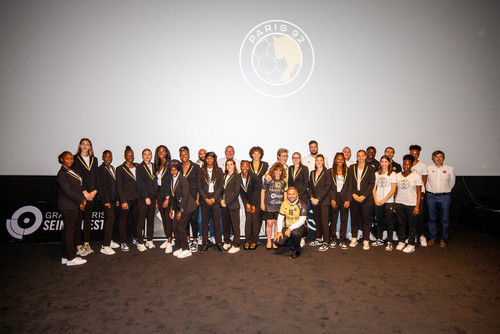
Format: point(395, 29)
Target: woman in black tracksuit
point(128, 193)
point(230, 207)
point(340, 198)
point(362, 181)
point(106, 180)
point(85, 165)
point(298, 177)
point(319, 192)
point(162, 158)
point(70, 202)
point(147, 184)
point(250, 191)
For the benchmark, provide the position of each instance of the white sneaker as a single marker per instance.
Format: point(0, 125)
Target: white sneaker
point(409, 249)
point(366, 245)
point(141, 247)
point(114, 244)
point(150, 244)
point(372, 237)
point(107, 250)
point(302, 242)
point(177, 252)
point(76, 261)
point(64, 260)
point(184, 254)
point(423, 241)
point(353, 243)
point(168, 248)
point(124, 247)
point(226, 246)
point(233, 250)
point(400, 246)
point(164, 245)
point(173, 242)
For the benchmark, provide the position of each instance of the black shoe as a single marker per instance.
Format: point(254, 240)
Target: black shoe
point(294, 255)
point(221, 248)
point(204, 249)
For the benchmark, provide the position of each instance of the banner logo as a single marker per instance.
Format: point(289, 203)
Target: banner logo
point(276, 58)
point(24, 221)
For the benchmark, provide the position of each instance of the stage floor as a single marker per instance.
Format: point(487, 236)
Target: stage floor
point(433, 290)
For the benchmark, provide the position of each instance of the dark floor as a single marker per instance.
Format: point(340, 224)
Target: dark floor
point(433, 290)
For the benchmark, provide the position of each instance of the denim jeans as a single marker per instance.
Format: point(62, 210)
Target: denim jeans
point(439, 204)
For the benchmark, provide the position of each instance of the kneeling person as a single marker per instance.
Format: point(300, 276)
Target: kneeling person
point(292, 223)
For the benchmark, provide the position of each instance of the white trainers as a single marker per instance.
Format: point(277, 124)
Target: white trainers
point(114, 244)
point(164, 244)
point(409, 249)
point(177, 252)
point(107, 250)
point(423, 241)
point(227, 246)
point(400, 246)
point(169, 248)
point(124, 247)
point(302, 242)
point(366, 245)
point(150, 244)
point(323, 248)
point(141, 247)
point(76, 261)
point(183, 254)
point(233, 250)
point(64, 260)
point(354, 242)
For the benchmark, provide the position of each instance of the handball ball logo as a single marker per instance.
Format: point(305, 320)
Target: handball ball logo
point(24, 221)
point(276, 58)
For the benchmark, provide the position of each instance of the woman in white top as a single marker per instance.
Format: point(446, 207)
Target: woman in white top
point(383, 192)
point(407, 199)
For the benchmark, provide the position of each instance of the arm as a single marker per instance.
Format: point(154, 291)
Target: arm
point(370, 182)
point(101, 184)
point(453, 177)
point(74, 193)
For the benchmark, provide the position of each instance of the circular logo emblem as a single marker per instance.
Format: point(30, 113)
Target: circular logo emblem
point(404, 184)
point(382, 182)
point(276, 58)
point(24, 221)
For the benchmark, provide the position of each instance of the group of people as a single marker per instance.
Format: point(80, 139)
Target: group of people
point(379, 195)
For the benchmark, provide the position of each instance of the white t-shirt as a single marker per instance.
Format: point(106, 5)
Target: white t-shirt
point(158, 178)
point(384, 183)
point(407, 188)
point(421, 169)
point(349, 163)
point(210, 183)
point(340, 182)
point(132, 170)
point(360, 176)
point(86, 159)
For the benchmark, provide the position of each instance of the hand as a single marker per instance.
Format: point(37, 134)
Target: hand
point(252, 210)
point(108, 205)
point(93, 193)
point(87, 195)
point(178, 215)
point(314, 201)
point(262, 207)
point(416, 211)
point(125, 206)
point(148, 201)
point(222, 203)
point(277, 236)
point(347, 204)
point(83, 204)
point(361, 198)
point(334, 204)
point(248, 208)
point(165, 203)
point(171, 213)
point(377, 202)
point(198, 201)
point(288, 232)
point(117, 203)
point(268, 177)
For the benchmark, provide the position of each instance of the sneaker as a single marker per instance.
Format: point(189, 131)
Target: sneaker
point(114, 244)
point(372, 237)
point(150, 244)
point(442, 244)
point(177, 252)
point(233, 250)
point(423, 241)
point(354, 242)
point(212, 240)
point(366, 245)
point(226, 246)
point(76, 262)
point(302, 242)
point(107, 250)
point(134, 241)
point(377, 242)
point(81, 251)
point(431, 242)
point(88, 249)
point(164, 244)
point(343, 246)
point(316, 242)
point(400, 246)
point(64, 260)
point(141, 247)
point(169, 248)
point(388, 247)
point(194, 247)
point(333, 243)
point(183, 254)
point(124, 247)
point(409, 249)
point(323, 248)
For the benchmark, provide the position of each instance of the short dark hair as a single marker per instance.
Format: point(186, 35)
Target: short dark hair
point(184, 148)
point(60, 157)
point(415, 147)
point(313, 142)
point(371, 147)
point(409, 157)
point(390, 148)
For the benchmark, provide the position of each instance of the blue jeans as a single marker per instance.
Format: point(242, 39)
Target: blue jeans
point(439, 204)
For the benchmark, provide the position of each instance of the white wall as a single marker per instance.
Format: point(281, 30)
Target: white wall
point(144, 73)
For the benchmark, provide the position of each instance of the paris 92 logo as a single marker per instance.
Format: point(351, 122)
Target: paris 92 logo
point(276, 58)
